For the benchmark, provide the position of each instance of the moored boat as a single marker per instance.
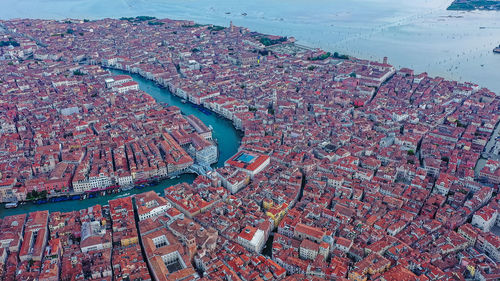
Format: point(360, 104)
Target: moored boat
point(10, 205)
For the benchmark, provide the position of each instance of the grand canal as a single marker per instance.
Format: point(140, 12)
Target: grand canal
point(227, 136)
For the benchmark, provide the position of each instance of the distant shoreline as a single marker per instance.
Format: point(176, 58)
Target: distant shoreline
point(469, 5)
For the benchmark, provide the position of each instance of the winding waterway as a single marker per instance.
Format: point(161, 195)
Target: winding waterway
point(419, 34)
point(227, 136)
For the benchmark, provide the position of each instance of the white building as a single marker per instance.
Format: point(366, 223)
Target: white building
point(206, 155)
point(485, 218)
point(94, 237)
point(127, 86)
point(490, 243)
point(253, 239)
point(125, 179)
point(117, 80)
point(249, 162)
point(232, 179)
point(93, 182)
point(308, 250)
point(149, 205)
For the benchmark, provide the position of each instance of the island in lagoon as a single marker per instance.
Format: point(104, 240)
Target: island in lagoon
point(469, 5)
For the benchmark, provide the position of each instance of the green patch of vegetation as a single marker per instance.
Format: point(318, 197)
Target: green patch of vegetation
point(445, 159)
point(321, 57)
point(338, 56)
point(411, 152)
point(138, 18)
point(70, 31)
point(353, 75)
point(86, 20)
point(9, 42)
point(193, 25)
point(81, 33)
point(35, 195)
point(216, 28)
point(155, 23)
point(78, 72)
point(459, 124)
point(311, 67)
point(268, 41)
point(252, 109)
point(195, 50)
point(270, 111)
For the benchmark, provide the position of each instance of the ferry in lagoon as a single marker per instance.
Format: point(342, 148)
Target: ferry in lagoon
point(497, 50)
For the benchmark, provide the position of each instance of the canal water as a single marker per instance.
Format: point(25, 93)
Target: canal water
point(227, 136)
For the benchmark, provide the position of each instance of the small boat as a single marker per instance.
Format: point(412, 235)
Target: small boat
point(123, 195)
point(244, 14)
point(183, 100)
point(11, 205)
point(497, 50)
point(127, 187)
point(41, 201)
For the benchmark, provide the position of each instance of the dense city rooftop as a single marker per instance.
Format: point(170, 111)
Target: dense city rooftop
point(348, 169)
